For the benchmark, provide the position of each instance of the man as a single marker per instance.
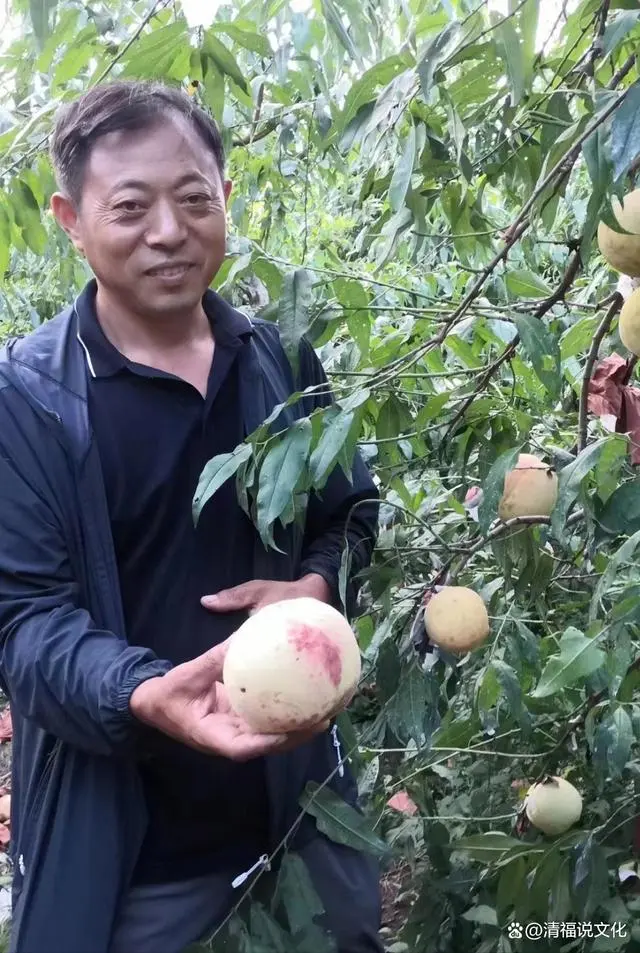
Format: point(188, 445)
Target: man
point(141, 803)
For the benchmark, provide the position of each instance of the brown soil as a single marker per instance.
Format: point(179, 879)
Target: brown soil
point(398, 896)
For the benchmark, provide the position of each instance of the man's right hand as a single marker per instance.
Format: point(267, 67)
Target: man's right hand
point(191, 704)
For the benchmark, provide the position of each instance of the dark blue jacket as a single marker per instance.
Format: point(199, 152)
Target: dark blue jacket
point(78, 815)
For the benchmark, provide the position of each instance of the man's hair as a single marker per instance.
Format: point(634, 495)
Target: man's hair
point(115, 106)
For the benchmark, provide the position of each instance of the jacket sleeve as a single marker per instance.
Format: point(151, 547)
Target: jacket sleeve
point(343, 513)
point(57, 667)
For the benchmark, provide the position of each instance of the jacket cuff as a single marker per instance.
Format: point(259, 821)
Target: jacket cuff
point(328, 574)
point(153, 669)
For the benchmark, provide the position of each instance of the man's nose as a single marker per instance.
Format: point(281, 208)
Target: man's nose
point(167, 226)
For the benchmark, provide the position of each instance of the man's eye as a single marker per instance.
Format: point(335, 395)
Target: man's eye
point(196, 198)
point(129, 206)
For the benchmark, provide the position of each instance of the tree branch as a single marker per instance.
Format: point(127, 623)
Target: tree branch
point(509, 351)
point(596, 47)
point(517, 228)
point(601, 331)
point(159, 4)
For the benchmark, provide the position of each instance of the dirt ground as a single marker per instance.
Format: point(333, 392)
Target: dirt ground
point(397, 899)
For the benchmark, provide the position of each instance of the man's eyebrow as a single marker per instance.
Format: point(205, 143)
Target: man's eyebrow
point(188, 179)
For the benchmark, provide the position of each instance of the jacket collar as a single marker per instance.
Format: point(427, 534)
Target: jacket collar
point(229, 327)
point(51, 368)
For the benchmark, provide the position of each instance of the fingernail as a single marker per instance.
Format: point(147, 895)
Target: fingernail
point(209, 600)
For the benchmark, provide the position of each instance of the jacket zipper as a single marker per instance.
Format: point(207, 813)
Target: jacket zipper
point(262, 861)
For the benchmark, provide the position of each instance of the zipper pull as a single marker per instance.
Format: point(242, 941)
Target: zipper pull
point(336, 745)
point(262, 861)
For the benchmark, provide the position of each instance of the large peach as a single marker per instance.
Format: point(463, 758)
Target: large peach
point(622, 250)
point(456, 619)
point(553, 805)
point(530, 489)
point(291, 665)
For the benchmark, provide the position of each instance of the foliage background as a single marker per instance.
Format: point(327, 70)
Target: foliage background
point(417, 187)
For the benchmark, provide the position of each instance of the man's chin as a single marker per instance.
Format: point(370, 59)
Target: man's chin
point(169, 302)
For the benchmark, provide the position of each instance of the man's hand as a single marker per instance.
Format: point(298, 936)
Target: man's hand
point(190, 704)
point(257, 593)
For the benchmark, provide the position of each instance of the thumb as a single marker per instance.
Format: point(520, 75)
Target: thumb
point(243, 596)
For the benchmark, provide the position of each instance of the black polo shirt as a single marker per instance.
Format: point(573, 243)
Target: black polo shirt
point(155, 432)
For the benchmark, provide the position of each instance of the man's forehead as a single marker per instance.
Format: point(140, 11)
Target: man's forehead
point(177, 149)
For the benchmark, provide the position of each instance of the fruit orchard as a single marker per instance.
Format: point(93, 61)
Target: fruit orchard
point(442, 197)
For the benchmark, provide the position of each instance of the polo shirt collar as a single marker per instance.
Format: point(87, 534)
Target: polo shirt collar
point(231, 328)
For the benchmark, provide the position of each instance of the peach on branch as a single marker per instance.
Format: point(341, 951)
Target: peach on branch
point(553, 805)
point(456, 619)
point(530, 489)
point(621, 250)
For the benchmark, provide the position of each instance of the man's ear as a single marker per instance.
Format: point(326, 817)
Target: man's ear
point(67, 218)
point(228, 185)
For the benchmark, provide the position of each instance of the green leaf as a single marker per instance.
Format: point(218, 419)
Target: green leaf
point(40, 12)
point(560, 895)
point(511, 882)
point(481, 914)
point(333, 18)
point(266, 933)
point(528, 29)
point(394, 418)
point(401, 178)
point(510, 51)
point(327, 450)
point(623, 555)
point(280, 473)
point(296, 892)
point(578, 657)
point(214, 93)
point(224, 59)
point(487, 848)
point(341, 822)
point(434, 53)
point(525, 284)
point(216, 472)
point(621, 515)
point(388, 670)
point(493, 487)
point(613, 740)
point(245, 37)
point(625, 132)
point(578, 337)
point(344, 576)
point(153, 53)
point(313, 939)
point(363, 91)
point(431, 409)
point(509, 684)
point(617, 30)
point(5, 240)
point(590, 879)
point(569, 481)
point(355, 300)
point(542, 349)
point(293, 312)
point(407, 709)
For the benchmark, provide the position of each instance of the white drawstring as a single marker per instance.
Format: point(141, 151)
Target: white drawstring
point(336, 745)
point(262, 861)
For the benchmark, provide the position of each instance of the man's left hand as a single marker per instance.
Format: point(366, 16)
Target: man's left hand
point(257, 593)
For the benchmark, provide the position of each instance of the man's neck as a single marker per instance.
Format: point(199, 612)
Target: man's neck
point(136, 334)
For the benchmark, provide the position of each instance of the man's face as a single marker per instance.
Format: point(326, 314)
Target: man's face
point(152, 221)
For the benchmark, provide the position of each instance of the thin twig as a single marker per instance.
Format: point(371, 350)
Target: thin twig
point(509, 351)
point(103, 75)
point(601, 331)
point(596, 48)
